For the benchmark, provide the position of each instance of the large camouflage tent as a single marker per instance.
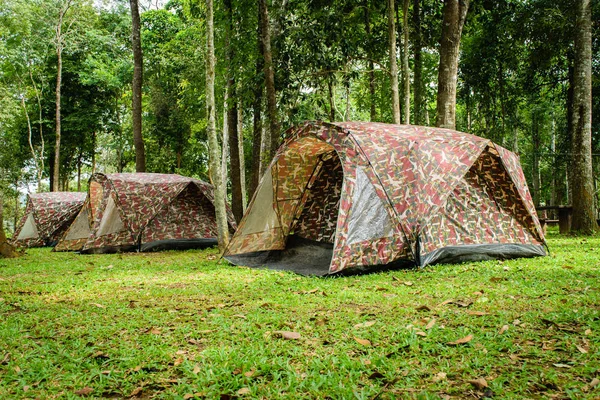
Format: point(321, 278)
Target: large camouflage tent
point(47, 216)
point(352, 196)
point(142, 212)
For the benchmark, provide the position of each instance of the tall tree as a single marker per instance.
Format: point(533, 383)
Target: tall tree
point(455, 13)
point(405, 68)
point(59, 41)
point(418, 64)
point(213, 143)
point(257, 126)
point(6, 250)
point(371, 71)
point(584, 215)
point(269, 78)
point(232, 117)
point(138, 73)
point(393, 62)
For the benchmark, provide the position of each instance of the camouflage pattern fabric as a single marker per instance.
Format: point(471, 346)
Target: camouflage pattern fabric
point(148, 207)
point(52, 212)
point(438, 188)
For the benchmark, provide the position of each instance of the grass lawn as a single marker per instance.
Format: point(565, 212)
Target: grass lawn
point(179, 325)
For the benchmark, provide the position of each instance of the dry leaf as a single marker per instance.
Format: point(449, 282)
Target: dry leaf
point(288, 335)
point(106, 372)
point(98, 305)
point(365, 324)
point(17, 369)
point(136, 391)
point(567, 266)
point(84, 392)
point(588, 332)
point(594, 382)
point(196, 369)
point(464, 340)
point(439, 376)
point(503, 329)
point(178, 361)
point(477, 313)
point(423, 308)
point(479, 383)
point(430, 324)
point(423, 334)
point(364, 342)
point(5, 359)
point(250, 373)
point(559, 365)
point(154, 331)
point(136, 369)
point(408, 283)
point(311, 291)
point(188, 396)
point(242, 316)
point(243, 391)
point(582, 349)
point(26, 388)
point(443, 303)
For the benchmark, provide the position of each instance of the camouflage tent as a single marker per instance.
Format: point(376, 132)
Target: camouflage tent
point(356, 195)
point(47, 216)
point(141, 212)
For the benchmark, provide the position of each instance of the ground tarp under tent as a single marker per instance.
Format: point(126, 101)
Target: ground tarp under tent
point(357, 196)
point(143, 212)
point(47, 216)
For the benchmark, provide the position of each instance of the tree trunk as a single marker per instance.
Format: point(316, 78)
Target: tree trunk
point(257, 156)
point(553, 186)
point(405, 69)
point(269, 79)
point(225, 143)
point(371, 73)
point(393, 62)
point(232, 119)
point(138, 73)
point(240, 130)
point(418, 64)
point(6, 250)
point(213, 143)
point(455, 13)
point(582, 184)
point(59, 48)
point(331, 100)
point(535, 165)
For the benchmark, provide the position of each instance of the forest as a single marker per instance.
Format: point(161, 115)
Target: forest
point(503, 70)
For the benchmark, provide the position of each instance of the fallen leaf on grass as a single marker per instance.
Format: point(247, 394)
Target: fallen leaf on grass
point(430, 324)
point(364, 342)
point(443, 303)
point(595, 382)
point(365, 324)
point(288, 335)
point(243, 391)
point(503, 329)
point(567, 266)
point(196, 369)
point(376, 375)
point(408, 283)
point(177, 362)
point(154, 331)
point(84, 392)
point(17, 369)
point(250, 373)
point(464, 340)
point(193, 395)
point(311, 291)
point(98, 305)
point(439, 376)
point(423, 334)
point(581, 349)
point(479, 383)
point(559, 365)
point(423, 308)
point(242, 316)
point(5, 359)
point(136, 391)
point(477, 313)
point(588, 332)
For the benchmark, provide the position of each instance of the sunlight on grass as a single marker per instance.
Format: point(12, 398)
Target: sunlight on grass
point(182, 325)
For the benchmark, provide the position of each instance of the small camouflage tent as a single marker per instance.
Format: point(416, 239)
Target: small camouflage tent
point(356, 195)
point(47, 216)
point(142, 212)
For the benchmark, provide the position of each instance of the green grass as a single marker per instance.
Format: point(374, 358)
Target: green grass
point(178, 324)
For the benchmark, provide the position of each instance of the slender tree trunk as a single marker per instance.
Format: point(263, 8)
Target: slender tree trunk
point(418, 64)
point(371, 73)
point(269, 78)
point(582, 184)
point(455, 13)
point(225, 143)
point(405, 68)
point(232, 119)
point(393, 62)
point(331, 100)
point(240, 130)
point(348, 117)
point(79, 172)
point(257, 156)
point(535, 165)
point(59, 48)
point(138, 73)
point(6, 250)
point(515, 147)
point(213, 142)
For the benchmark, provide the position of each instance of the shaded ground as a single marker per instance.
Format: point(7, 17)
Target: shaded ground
point(179, 325)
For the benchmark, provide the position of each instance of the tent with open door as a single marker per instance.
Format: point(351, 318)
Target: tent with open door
point(355, 195)
point(143, 212)
point(47, 216)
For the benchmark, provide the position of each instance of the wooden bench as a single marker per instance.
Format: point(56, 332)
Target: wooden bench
point(565, 214)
